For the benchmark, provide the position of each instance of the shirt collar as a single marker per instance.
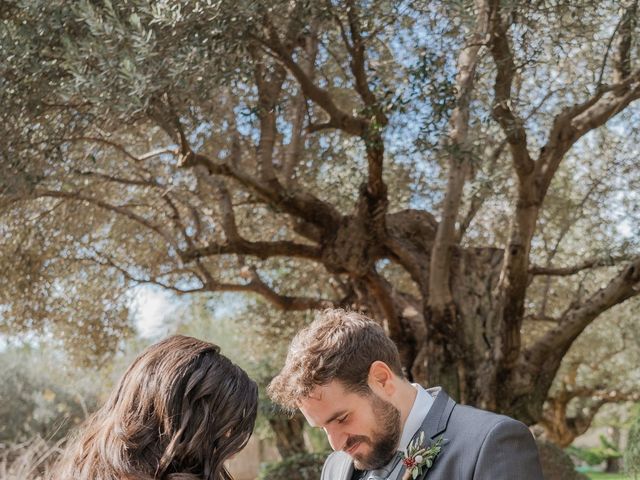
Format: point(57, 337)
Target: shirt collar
point(421, 406)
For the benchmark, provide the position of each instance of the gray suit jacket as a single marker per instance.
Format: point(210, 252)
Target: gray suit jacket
point(477, 445)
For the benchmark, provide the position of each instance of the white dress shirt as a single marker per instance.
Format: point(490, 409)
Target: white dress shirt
point(421, 406)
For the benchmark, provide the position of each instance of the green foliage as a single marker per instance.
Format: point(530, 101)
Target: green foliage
point(97, 95)
point(606, 476)
point(632, 452)
point(38, 399)
point(596, 455)
point(317, 439)
point(306, 466)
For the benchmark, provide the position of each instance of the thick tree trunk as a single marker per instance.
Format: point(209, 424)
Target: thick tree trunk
point(445, 357)
point(614, 464)
point(461, 350)
point(458, 353)
point(289, 434)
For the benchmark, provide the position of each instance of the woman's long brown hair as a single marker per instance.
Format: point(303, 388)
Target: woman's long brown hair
point(179, 411)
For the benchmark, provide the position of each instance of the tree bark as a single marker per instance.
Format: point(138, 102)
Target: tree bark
point(289, 434)
point(447, 363)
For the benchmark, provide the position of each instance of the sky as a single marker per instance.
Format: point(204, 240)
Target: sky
point(152, 307)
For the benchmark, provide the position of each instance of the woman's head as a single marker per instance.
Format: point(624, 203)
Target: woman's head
point(179, 411)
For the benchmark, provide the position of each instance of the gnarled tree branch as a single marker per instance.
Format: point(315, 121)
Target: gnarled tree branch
point(573, 269)
point(459, 165)
point(547, 352)
point(338, 118)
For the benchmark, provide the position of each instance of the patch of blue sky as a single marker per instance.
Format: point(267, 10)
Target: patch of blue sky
point(158, 312)
point(418, 122)
point(151, 308)
point(200, 134)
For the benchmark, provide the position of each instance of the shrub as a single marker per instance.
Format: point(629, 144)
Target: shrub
point(632, 453)
point(596, 455)
point(39, 400)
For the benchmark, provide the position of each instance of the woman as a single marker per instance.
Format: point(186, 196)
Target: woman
point(180, 410)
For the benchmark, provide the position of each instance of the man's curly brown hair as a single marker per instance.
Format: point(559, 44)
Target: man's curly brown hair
point(338, 345)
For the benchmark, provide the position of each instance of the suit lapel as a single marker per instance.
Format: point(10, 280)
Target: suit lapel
point(436, 420)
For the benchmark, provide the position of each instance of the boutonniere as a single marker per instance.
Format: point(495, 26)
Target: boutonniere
point(418, 459)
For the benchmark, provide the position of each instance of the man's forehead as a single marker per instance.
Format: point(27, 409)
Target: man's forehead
point(328, 391)
point(317, 394)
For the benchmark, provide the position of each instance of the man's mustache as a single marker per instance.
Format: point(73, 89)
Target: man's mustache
point(351, 441)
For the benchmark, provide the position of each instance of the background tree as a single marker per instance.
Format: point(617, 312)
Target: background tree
point(425, 163)
point(632, 452)
point(595, 373)
point(42, 403)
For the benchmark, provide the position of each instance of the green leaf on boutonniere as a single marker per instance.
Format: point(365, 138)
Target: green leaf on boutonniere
point(418, 458)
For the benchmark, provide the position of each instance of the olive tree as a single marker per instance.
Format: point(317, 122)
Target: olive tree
point(459, 170)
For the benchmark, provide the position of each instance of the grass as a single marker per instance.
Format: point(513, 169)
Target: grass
point(607, 476)
point(32, 460)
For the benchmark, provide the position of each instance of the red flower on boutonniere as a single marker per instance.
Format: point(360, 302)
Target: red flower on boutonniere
point(419, 459)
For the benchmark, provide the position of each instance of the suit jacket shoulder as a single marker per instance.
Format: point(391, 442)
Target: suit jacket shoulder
point(337, 466)
point(478, 444)
point(509, 449)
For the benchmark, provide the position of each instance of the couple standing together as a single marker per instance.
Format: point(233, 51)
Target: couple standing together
point(182, 409)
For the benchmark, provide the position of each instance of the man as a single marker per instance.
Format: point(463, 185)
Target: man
point(344, 375)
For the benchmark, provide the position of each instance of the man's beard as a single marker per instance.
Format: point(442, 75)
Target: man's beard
point(385, 439)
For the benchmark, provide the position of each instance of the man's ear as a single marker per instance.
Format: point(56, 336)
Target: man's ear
point(381, 378)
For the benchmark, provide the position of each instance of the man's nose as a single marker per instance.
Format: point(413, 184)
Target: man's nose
point(336, 438)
